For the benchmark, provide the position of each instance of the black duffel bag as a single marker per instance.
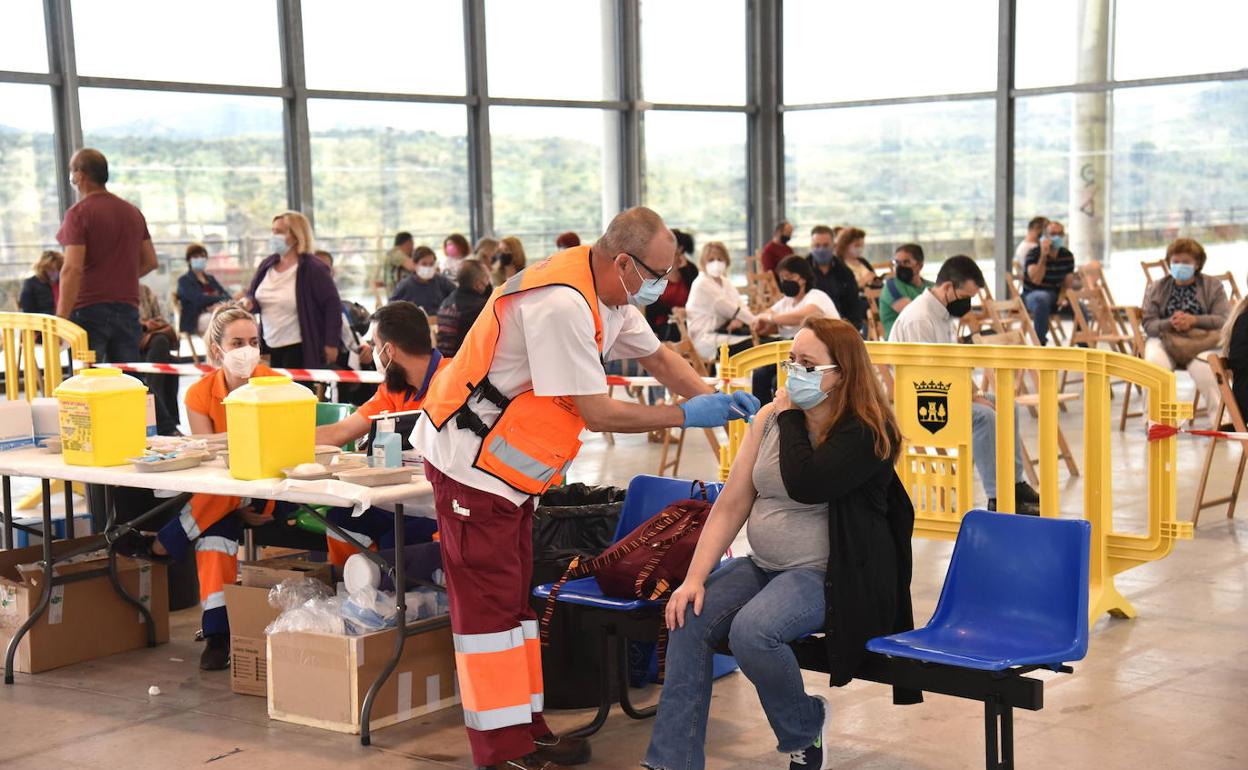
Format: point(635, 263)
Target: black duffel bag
point(570, 521)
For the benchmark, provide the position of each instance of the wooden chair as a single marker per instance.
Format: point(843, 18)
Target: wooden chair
point(187, 337)
point(1011, 315)
point(1232, 288)
point(1156, 266)
point(1228, 408)
point(1057, 332)
point(762, 290)
point(1025, 397)
point(875, 326)
point(687, 351)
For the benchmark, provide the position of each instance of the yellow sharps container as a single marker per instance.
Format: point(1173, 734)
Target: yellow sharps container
point(103, 417)
point(271, 426)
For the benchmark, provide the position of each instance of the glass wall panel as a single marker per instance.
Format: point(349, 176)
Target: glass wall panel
point(531, 56)
point(548, 174)
point(1158, 38)
point(912, 172)
point(695, 174)
point(23, 44)
point(384, 45)
point(849, 51)
point(1041, 159)
point(29, 210)
point(1178, 173)
point(693, 51)
point(225, 41)
point(381, 167)
point(201, 167)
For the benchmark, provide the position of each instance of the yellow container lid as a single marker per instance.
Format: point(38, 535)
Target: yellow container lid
point(100, 380)
point(269, 390)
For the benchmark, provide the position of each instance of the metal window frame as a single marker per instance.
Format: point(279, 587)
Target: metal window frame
point(764, 109)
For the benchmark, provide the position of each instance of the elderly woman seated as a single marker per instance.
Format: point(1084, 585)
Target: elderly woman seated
point(1184, 314)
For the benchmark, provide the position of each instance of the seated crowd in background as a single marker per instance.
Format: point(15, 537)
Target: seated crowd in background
point(676, 293)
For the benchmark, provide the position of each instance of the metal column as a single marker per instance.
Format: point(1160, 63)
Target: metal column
point(68, 120)
point(480, 164)
point(765, 174)
point(1003, 240)
point(295, 109)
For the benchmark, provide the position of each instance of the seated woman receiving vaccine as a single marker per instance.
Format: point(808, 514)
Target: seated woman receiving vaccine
point(828, 524)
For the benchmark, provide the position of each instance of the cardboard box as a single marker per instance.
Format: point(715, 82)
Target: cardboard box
point(320, 680)
point(248, 608)
point(270, 572)
point(86, 619)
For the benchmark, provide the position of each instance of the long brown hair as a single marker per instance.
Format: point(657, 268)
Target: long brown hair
point(859, 394)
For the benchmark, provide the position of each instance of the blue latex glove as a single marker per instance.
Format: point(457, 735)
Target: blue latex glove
point(710, 410)
point(745, 405)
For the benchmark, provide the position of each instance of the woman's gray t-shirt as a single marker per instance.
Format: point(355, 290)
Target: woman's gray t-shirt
point(783, 533)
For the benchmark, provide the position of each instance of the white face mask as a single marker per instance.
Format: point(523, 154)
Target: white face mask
point(716, 268)
point(241, 362)
point(426, 272)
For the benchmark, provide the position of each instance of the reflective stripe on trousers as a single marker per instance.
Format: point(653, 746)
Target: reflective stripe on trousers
point(216, 559)
point(497, 679)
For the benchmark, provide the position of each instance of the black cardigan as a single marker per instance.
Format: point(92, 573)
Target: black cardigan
point(870, 522)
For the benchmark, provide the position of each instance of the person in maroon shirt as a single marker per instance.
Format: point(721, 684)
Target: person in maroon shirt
point(777, 248)
point(676, 294)
point(107, 250)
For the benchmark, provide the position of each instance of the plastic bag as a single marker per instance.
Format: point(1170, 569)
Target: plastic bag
point(296, 591)
point(426, 603)
point(321, 615)
point(367, 609)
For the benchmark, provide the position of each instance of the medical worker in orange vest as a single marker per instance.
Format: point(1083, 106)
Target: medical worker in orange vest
point(502, 422)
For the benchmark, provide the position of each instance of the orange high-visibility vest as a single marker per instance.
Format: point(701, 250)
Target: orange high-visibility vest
point(535, 438)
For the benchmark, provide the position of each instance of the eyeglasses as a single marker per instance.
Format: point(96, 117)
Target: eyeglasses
point(792, 367)
point(658, 276)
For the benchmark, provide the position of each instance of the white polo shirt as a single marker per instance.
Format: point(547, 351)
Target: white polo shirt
point(546, 344)
point(926, 319)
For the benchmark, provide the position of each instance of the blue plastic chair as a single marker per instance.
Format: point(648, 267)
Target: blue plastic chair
point(620, 620)
point(1015, 600)
point(1016, 594)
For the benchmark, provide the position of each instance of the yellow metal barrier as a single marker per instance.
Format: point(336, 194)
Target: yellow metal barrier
point(933, 392)
point(18, 336)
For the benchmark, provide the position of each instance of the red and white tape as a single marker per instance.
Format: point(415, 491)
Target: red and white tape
point(1157, 432)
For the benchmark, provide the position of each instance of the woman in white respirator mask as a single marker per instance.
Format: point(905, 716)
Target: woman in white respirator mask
point(212, 525)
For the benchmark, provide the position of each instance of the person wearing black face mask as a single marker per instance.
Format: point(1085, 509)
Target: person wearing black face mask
point(801, 302)
point(929, 319)
point(507, 260)
point(777, 248)
point(904, 286)
point(459, 311)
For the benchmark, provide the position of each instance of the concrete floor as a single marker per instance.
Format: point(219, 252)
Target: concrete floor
point(1164, 690)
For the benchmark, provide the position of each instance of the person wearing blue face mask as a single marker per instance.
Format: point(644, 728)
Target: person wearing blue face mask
point(1183, 316)
point(1049, 271)
point(833, 277)
point(535, 360)
point(828, 524)
point(198, 293)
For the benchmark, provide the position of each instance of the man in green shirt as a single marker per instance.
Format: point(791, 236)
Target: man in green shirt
point(904, 286)
point(396, 264)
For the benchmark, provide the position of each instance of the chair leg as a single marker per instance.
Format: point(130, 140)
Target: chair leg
point(1200, 503)
point(1072, 467)
point(998, 735)
point(622, 670)
point(1239, 478)
point(604, 694)
point(1029, 465)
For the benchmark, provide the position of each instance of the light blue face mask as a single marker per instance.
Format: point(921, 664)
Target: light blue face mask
point(649, 291)
point(1182, 272)
point(1057, 242)
point(199, 263)
point(804, 389)
point(277, 244)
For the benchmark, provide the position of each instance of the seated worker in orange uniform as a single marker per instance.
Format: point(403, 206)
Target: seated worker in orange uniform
point(403, 349)
point(212, 525)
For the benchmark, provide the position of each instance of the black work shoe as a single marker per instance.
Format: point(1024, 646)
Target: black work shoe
point(530, 762)
point(1023, 493)
point(814, 756)
point(1024, 509)
point(137, 545)
point(216, 654)
point(562, 750)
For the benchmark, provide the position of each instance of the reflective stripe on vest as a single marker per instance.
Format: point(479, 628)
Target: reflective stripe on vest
point(521, 462)
point(494, 678)
point(533, 440)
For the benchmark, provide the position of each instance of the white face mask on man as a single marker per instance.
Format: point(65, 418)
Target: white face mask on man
point(241, 362)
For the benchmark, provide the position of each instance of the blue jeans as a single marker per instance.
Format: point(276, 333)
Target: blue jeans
point(112, 331)
point(984, 446)
point(758, 613)
point(1040, 305)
